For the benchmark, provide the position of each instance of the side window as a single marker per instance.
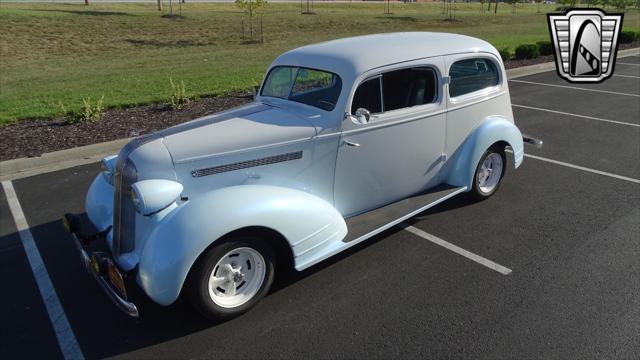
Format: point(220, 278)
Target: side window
point(368, 96)
point(471, 75)
point(408, 87)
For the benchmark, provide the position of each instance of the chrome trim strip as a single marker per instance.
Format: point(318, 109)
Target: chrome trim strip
point(245, 150)
point(247, 164)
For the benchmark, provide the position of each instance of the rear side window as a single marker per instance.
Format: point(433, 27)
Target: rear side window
point(368, 96)
point(471, 75)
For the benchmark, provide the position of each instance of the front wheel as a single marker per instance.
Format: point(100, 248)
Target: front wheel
point(232, 277)
point(489, 173)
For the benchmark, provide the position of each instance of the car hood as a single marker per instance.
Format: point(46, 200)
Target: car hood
point(245, 128)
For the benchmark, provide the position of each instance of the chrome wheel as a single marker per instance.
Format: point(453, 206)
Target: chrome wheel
point(490, 173)
point(237, 277)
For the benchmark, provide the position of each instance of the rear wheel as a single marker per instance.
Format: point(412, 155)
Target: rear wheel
point(232, 277)
point(489, 173)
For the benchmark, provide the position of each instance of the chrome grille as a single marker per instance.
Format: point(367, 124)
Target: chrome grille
point(247, 164)
point(124, 213)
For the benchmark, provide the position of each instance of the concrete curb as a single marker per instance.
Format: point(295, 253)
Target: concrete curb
point(58, 160)
point(542, 67)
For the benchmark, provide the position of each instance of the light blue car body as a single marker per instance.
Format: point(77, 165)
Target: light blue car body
point(283, 167)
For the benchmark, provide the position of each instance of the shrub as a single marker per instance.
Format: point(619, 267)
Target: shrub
point(545, 47)
point(505, 53)
point(179, 96)
point(627, 37)
point(527, 51)
point(88, 112)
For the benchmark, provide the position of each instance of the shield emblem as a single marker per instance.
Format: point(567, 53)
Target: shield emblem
point(585, 43)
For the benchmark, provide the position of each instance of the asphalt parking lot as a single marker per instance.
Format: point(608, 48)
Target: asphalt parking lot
point(566, 224)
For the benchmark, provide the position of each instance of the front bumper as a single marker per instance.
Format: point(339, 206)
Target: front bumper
point(101, 266)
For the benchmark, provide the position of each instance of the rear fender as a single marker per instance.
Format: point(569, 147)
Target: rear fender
point(304, 220)
point(492, 130)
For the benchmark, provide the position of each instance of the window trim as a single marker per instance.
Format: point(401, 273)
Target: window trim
point(480, 93)
point(264, 81)
point(431, 67)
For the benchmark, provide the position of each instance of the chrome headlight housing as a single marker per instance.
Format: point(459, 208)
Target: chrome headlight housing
point(108, 167)
point(152, 196)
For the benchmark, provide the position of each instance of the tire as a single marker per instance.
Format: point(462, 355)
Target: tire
point(486, 184)
point(243, 265)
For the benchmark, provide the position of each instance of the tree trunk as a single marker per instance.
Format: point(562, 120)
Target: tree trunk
point(86, 2)
point(495, 8)
point(159, 5)
point(251, 24)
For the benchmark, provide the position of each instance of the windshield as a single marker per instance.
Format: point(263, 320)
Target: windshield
point(312, 87)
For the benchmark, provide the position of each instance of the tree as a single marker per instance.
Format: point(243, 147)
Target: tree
point(591, 3)
point(159, 5)
point(513, 4)
point(569, 3)
point(621, 4)
point(482, 5)
point(539, 2)
point(250, 7)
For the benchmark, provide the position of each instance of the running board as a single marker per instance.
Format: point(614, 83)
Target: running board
point(371, 223)
point(366, 225)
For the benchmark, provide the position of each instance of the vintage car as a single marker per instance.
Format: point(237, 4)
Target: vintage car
point(344, 140)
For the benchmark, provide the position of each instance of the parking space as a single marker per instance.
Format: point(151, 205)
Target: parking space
point(568, 235)
point(630, 59)
point(627, 68)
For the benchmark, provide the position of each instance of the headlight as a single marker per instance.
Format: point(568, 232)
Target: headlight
point(107, 168)
point(151, 196)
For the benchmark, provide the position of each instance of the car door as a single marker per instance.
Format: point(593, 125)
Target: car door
point(398, 152)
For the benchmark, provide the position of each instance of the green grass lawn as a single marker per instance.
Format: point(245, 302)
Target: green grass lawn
point(60, 53)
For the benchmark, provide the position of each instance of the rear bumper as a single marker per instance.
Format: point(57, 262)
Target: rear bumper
point(103, 269)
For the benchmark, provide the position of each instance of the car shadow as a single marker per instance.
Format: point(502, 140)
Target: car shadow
point(103, 331)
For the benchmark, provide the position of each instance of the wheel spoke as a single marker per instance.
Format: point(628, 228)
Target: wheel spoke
point(216, 281)
point(230, 289)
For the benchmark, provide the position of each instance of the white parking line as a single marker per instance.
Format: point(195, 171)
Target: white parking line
point(574, 88)
point(622, 63)
point(616, 176)
point(627, 76)
point(458, 250)
point(66, 338)
point(576, 115)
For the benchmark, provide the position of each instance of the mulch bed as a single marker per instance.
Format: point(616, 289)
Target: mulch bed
point(29, 138)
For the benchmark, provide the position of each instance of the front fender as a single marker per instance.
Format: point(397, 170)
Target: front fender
point(99, 203)
point(175, 244)
point(467, 156)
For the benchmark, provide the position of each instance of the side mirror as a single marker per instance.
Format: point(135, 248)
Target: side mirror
point(362, 116)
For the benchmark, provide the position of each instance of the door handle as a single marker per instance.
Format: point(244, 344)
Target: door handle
point(350, 143)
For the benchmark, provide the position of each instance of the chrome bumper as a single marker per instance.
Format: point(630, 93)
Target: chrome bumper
point(96, 264)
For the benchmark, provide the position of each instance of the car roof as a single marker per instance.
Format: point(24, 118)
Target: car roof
point(350, 57)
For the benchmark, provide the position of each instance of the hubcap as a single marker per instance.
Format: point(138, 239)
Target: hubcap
point(237, 277)
point(490, 173)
